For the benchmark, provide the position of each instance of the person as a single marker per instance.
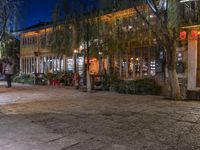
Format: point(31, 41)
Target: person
point(1, 68)
point(76, 79)
point(8, 71)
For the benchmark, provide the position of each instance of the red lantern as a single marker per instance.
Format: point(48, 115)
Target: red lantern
point(194, 34)
point(183, 35)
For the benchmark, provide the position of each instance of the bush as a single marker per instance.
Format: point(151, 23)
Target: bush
point(23, 78)
point(109, 80)
point(140, 87)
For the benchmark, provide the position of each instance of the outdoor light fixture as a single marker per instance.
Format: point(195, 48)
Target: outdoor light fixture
point(151, 16)
point(100, 53)
point(183, 1)
point(75, 51)
point(130, 27)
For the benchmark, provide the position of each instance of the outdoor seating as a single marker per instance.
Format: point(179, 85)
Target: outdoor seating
point(39, 79)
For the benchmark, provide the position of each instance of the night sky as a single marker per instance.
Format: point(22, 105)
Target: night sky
point(35, 11)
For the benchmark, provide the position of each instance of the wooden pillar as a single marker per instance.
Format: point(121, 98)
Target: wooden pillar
point(133, 64)
point(28, 62)
point(37, 65)
point(31, 62)
point(120, 65)
point(149, 62)
point(64, 63)
point(26, 65)
point(60, 61)
point(42, 65)
point(127, 65)
point(141, 63)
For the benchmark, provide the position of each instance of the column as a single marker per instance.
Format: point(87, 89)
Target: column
point(120, 66)
point(20, 66)
point(26, 65)
point(133, 64)
point(37, 65)
point(141, 63)
point(64, 63)
point(149, 62)
point(127, 65)
point(192, 64)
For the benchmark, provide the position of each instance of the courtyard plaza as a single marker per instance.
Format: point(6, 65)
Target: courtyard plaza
point(62, 118)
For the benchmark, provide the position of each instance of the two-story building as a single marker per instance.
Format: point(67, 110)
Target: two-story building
point(140, 56)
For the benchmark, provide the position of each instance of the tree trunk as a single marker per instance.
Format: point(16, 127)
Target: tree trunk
point(174, 85)
point(89, 86)
point(173, 78)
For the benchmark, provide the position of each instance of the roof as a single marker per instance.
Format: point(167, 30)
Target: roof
point(38, 26)
point(106, 10)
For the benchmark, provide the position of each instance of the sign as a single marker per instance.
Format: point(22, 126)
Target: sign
point(183, 35)
point(194, 34)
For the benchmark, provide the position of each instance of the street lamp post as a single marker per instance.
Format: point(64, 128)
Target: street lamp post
point(100, 62)
point(75, 57)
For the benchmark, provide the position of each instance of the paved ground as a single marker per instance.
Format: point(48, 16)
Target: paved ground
point(55, 118)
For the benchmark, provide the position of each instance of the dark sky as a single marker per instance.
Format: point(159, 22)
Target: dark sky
point(37, 10)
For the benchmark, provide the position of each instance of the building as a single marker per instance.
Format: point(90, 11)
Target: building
point(139, 57)
point(36, 56)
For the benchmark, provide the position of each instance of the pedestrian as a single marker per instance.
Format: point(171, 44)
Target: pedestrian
point(76, 79)
point(1, 67)
point(8, 71)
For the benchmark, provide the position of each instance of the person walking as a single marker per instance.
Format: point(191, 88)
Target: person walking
point(76, 79)
point(8, 71)
point(1, 67)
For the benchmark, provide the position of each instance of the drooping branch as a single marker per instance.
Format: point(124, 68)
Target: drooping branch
point(148, 23)
point(8, 12)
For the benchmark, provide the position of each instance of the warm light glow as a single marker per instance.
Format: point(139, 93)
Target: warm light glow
point(36, 32)
point(75, 51)
point(183, 35)
point(183, 1)
point(123, 13)
point(100, 53)
point(194, 34)
point(93, 59)
point(151, 16)
point(30, 34)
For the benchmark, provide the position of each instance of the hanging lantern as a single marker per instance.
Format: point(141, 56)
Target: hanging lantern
point(183, 35)
point(194, 34)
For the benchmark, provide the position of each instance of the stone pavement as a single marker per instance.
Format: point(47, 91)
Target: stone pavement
point(60, 118)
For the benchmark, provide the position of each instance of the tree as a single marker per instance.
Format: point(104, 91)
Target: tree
point(8, 11)
point(75, 24)
point(165, 30)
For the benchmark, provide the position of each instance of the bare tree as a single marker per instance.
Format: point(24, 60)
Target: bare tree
point(8, 11)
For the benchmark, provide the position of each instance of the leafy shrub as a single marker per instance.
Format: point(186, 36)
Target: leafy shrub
point(23, 78)
point(109, 80)
point(141, 87)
